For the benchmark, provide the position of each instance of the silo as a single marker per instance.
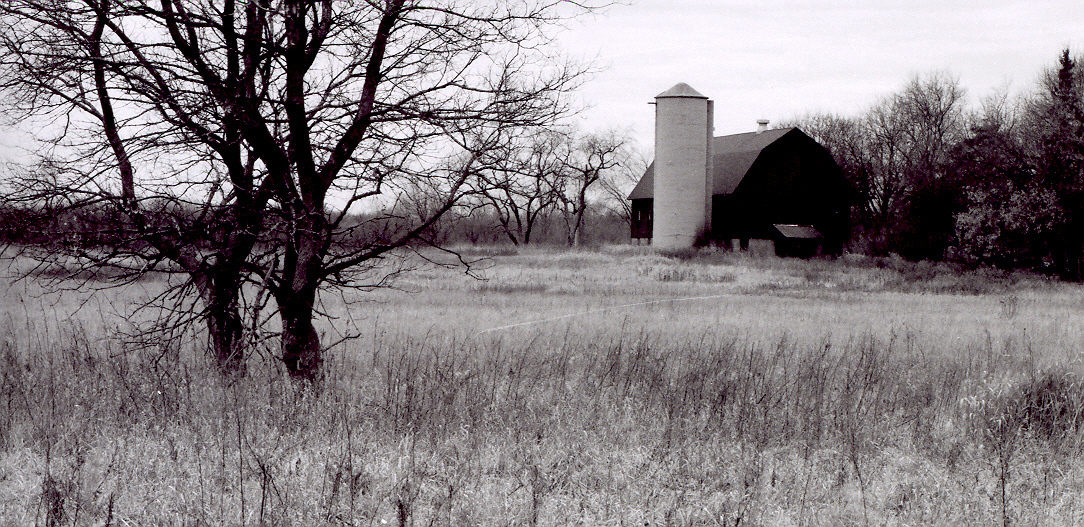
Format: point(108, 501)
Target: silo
point(682, 193)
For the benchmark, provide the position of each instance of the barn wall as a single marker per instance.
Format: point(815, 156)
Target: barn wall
point(793, 181)
point(641, 218)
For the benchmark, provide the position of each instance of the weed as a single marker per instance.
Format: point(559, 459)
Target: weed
point(674, 274)
point(510, 288)
point(487, 250)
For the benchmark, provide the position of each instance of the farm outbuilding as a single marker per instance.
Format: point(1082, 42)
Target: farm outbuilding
point(776, 186)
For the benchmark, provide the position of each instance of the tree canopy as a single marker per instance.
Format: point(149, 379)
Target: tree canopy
point(1001, 185)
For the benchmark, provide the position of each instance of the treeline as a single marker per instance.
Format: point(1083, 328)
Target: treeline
point(99, 226)
point(601, 226)
point(999, 185)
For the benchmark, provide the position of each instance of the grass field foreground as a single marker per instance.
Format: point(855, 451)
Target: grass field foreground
point(611, 387)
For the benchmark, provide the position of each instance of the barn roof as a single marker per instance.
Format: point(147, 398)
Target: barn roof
point(732, 156)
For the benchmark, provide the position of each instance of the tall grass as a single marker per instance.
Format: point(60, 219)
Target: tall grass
point(631, 428)
point(660, 414)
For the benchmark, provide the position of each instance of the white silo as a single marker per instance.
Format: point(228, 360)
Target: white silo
point(682, 193)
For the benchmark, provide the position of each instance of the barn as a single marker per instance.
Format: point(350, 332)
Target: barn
point(772, 188)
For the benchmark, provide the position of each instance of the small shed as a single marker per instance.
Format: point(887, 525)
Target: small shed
point(802, 241)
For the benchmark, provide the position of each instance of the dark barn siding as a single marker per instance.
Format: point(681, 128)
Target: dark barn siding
point(793, 181)
point(641, 218)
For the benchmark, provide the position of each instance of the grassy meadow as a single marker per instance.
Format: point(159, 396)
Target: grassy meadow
point(607, 387)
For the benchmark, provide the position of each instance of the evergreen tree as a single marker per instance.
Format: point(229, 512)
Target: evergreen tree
point(1062, 162)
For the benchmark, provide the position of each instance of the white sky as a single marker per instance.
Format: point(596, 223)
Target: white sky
point(780, 59)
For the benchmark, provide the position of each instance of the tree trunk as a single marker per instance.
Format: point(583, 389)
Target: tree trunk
point(224, 324)
point(224, 329)
point(1069, 249)
point(301, 351)
point(511, 235)
point(577, 227)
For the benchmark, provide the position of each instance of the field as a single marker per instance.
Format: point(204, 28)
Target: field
point(606, 387)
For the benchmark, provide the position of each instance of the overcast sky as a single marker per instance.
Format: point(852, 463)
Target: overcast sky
point(779, 59)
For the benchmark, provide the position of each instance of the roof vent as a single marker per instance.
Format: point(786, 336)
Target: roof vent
point(762, 126)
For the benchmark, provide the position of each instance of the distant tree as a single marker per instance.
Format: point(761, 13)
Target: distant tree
point(523, 184)
point(587, 161)
point(1007, 226)
point(894, 157)
point(931, 109)
point(560, 173)
point(1061, 114)
point(1002, 186)
point(1008, 216)
point(617, 184)
point(886, 183)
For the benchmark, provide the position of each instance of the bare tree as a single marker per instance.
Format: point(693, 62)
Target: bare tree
point(587, 161)
point(556, 172)
point(617, 184)
point(933, 112)
point(58, 63)
point(269, 123)
point(895, 157)
point(524, 185)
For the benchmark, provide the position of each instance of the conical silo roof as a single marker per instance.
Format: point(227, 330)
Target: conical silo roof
point(681, 90)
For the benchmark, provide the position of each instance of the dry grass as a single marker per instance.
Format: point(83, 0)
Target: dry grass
point(614, 387)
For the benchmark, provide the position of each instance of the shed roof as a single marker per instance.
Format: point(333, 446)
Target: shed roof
point(804, 232)
point(732, 156)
